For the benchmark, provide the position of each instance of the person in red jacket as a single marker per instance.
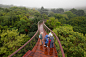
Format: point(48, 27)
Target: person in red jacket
point(49, 35)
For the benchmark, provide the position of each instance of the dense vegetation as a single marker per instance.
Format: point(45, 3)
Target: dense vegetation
point(71, 31)
point(18, 25)
point(72, 42)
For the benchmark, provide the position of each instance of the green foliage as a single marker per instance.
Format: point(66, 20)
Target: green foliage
point(61, 17)
point(72, 42)
point(6, 10)
point(10, 41)
point(65, 16)
point(76, 21)
point(74, 11)
point(80, 12)
point(58, 16)
point(15, 22)
point(37, 14)
point(70, 14)
point(31, 34)
point(52, 22)
point(43, 11)
point(60, 10)
point(44, 16)
point(79, 24)
point(77, 12)
point(21, 25)
point(19, 17)
point(33, 27)
point(51, 14)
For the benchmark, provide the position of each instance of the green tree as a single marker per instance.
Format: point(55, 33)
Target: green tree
point(15, 22)
point(6, 10)
point(10, 41)
point(60, 10)
point(51, 14)
point(53, 10)
point(42, 11)
point(61, 17)
point(72, 42)
point(70, 14)
point(52, 22)
point(80, 12)
point(37, 14)
point(79, 24)
point(74, 11)
point(58, 16)
point(21, 25)
point(44, 16)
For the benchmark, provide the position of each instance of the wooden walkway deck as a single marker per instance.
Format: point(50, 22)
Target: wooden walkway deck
point(41, 50)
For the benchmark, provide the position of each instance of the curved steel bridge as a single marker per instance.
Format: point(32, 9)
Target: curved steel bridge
point(32, 48)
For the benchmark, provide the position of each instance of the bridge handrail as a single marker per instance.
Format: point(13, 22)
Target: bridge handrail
point(34, 36)
point(26, 42)
point(41, 21)
point(63, 55)
point(23, 45)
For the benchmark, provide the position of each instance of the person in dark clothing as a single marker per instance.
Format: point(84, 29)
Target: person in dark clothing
point(52, 41)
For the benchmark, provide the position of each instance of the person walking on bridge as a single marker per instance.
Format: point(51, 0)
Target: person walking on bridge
point(49, 35)
point(46, 40)
point(40, 36)
point(52, 41)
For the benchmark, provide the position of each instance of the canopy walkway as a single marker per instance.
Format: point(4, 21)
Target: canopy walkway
point(32, 48)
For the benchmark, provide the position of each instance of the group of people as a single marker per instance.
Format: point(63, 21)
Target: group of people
point(47, 39)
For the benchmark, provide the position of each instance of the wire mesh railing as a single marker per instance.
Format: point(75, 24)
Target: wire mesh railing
point(57, 43)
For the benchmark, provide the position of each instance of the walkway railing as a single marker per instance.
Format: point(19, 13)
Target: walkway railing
point(58, 45)
point(31, 43)
point(41, 21)
point(27, 46)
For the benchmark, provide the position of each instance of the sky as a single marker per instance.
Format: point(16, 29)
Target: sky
point(46, 3)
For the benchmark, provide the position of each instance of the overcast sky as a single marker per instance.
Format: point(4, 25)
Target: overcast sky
point(46, 3)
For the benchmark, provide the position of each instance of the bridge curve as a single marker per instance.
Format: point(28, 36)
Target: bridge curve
point(39, 50)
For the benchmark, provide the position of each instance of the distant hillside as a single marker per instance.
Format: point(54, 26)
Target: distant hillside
point(8, 6)
point(5, 6)
point(83, 8)
point(65, 9)
point(78, 8)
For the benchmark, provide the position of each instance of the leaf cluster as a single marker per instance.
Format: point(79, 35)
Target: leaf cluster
point(73, 43)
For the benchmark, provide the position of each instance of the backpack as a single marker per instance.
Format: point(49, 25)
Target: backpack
point(45, 37)
point(40, 36)
point(46, 40)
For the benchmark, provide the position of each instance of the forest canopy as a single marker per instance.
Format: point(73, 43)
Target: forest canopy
point(19, 24)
